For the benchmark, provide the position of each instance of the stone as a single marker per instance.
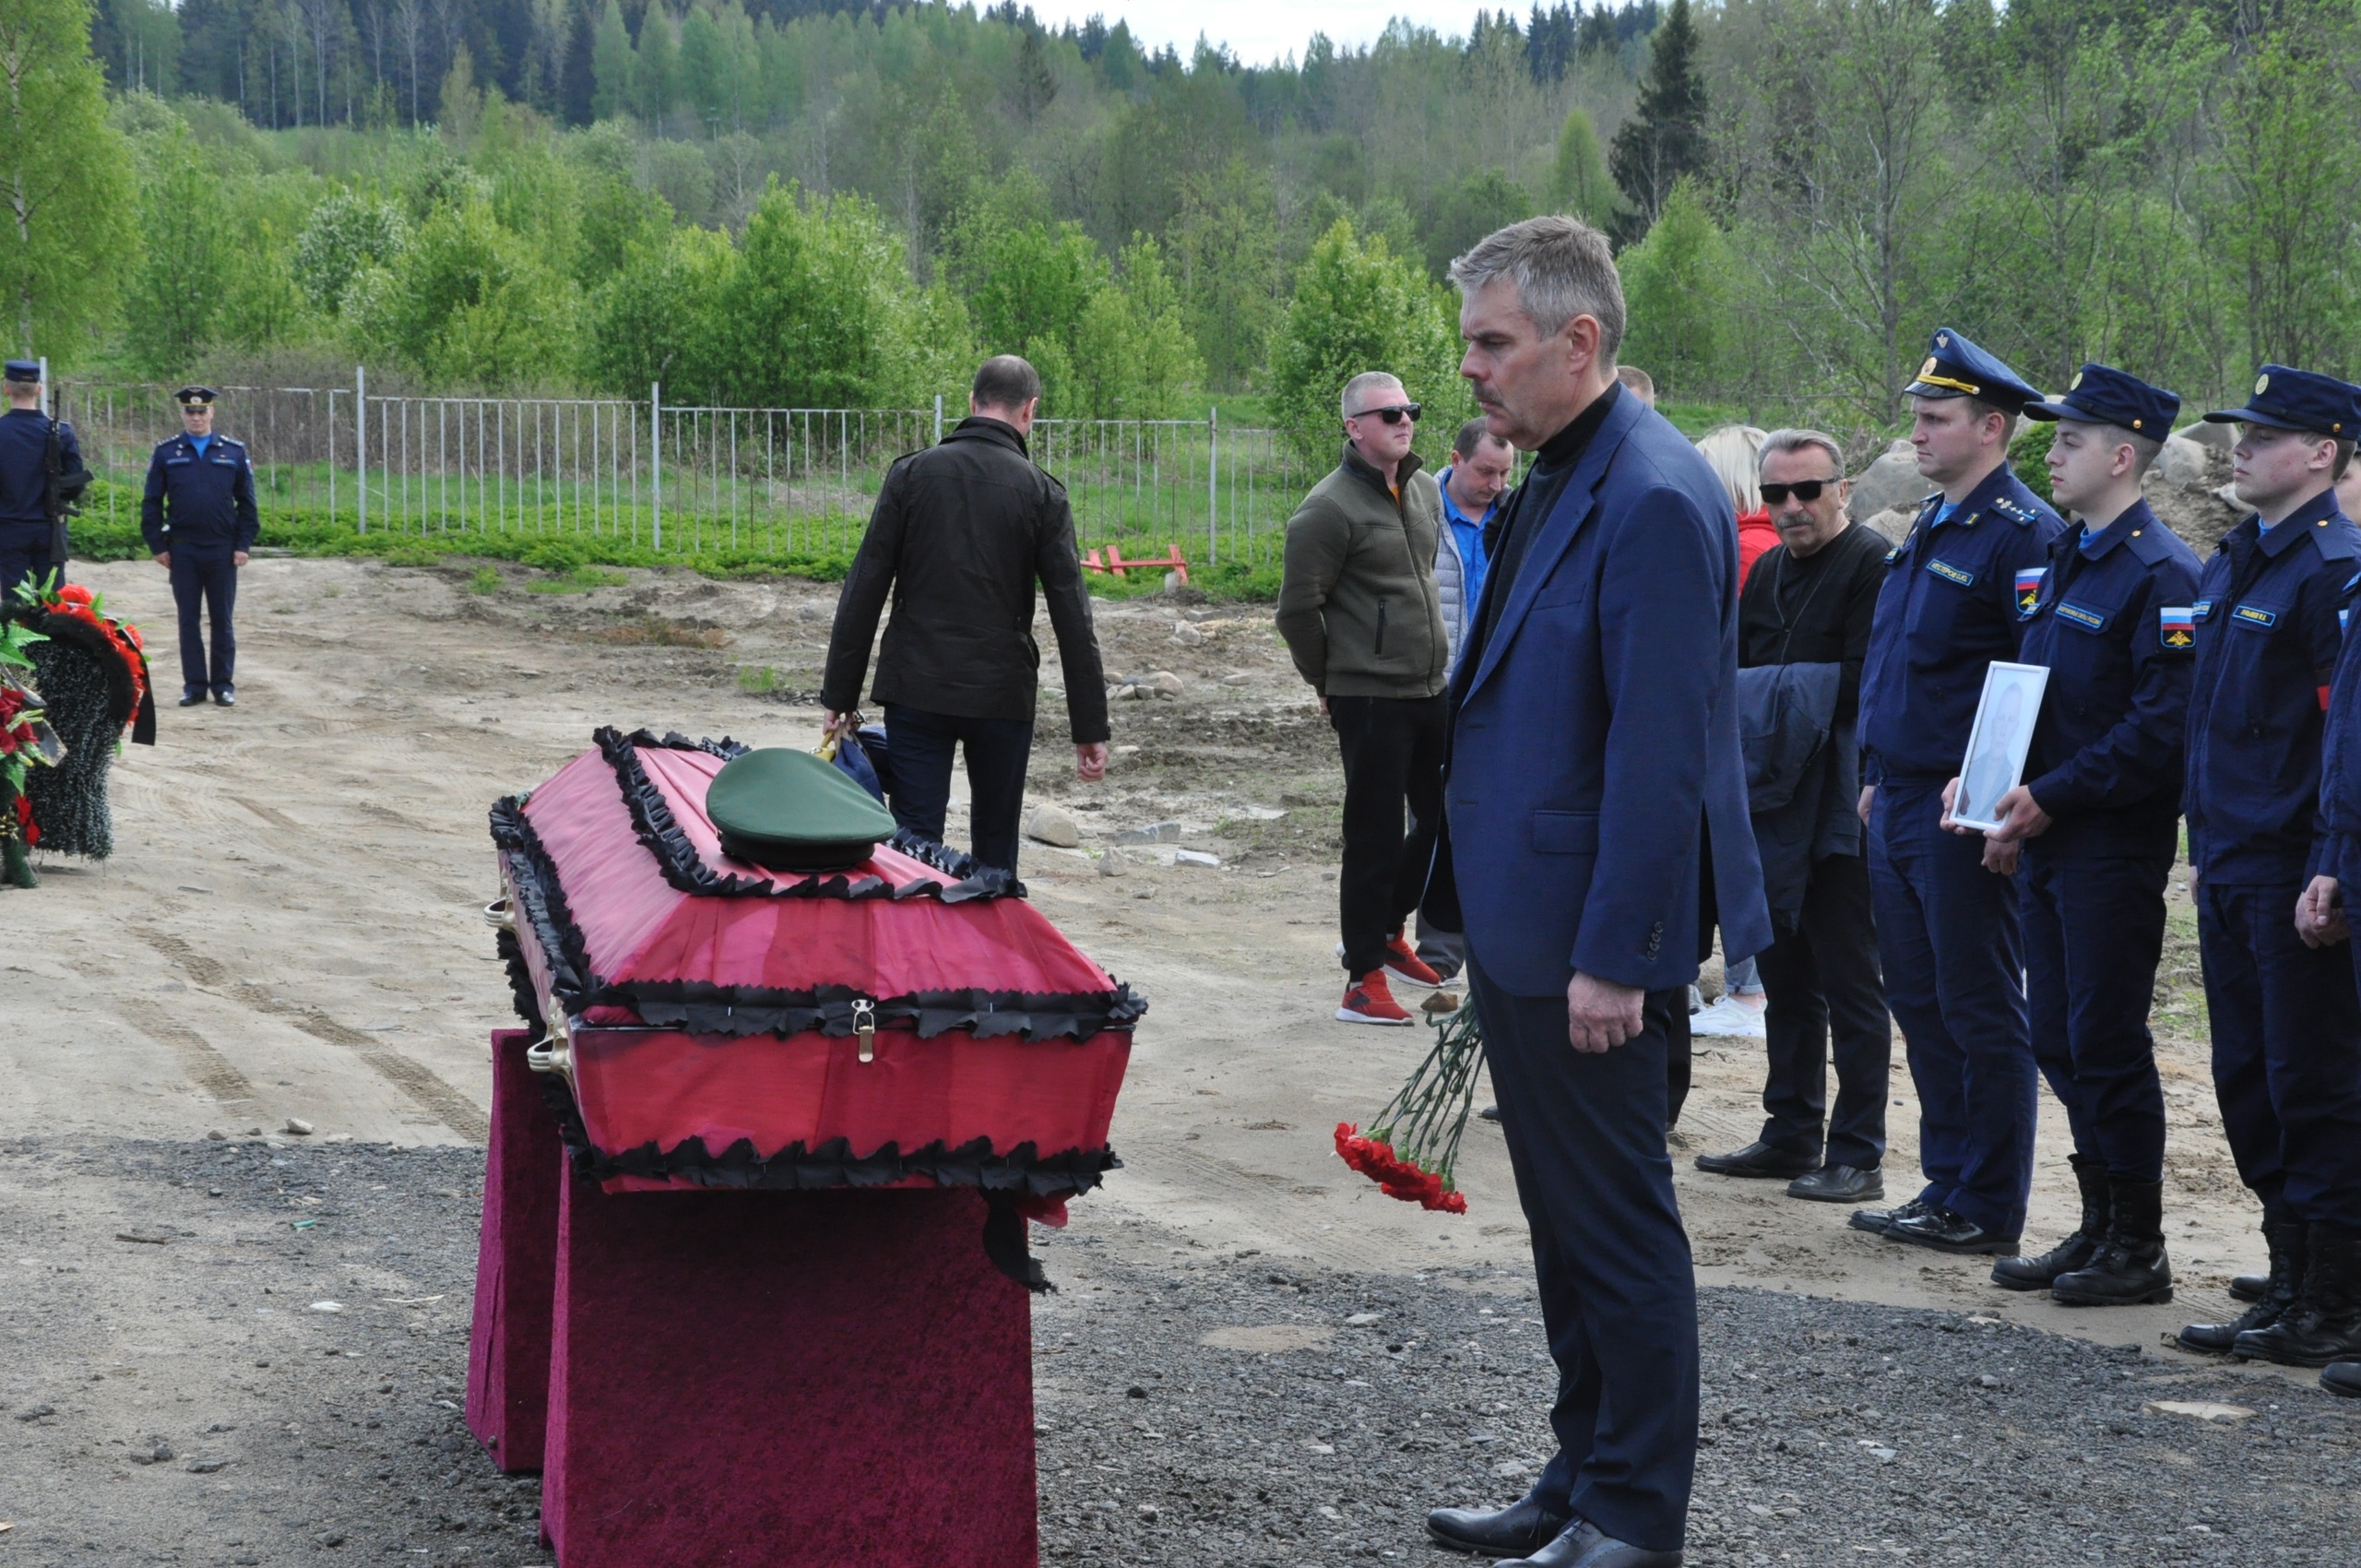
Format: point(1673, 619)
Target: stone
point(1111, 865)
point(2184, 462)
point(298, 1126)
point(1188, 635)
point(1154, 833)
point(205, 1467)
point(2221, 437)
point(1236, 678)
point(1892, 480)
point(2197, 1409)
point(1195, 857)
point(329, 1307)
point(1164, 683)
point(1049, 823)
point(1893, 523)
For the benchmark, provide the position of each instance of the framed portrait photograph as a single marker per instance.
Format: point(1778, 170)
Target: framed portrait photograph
point(1997, 746)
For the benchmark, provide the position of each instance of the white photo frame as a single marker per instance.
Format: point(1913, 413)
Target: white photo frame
point(1995, 763)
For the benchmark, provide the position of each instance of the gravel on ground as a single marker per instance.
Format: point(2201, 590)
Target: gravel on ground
point(254, 1350)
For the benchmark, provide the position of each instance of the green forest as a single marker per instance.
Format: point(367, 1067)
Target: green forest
point(780, 202)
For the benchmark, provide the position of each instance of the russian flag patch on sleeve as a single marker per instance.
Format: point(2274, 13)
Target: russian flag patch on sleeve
point(2029, 582)
point(2179, 623)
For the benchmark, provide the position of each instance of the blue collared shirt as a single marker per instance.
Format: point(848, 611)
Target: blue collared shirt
point(1469, 536)
point(1948, 609)
point(2106, 749)
point(2267, 649)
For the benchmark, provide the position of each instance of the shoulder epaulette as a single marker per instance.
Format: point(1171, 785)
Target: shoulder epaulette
point(2336, 543)
point(2015, 510)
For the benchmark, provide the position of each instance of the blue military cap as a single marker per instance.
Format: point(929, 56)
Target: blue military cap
point(1957, 368)
point(2104, 395)
point(2286, 399)
point(194, 396)
point(24, 370)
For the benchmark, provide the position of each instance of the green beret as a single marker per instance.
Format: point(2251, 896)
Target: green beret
point(796, 812)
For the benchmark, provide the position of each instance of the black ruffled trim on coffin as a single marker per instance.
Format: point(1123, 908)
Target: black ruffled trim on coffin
point(1003, 1180)
point(701, 1007)
point(686, 871)
point(520, 981)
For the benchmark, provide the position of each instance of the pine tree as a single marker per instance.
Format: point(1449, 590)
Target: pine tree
point(1579, 183)
point(1665, 137)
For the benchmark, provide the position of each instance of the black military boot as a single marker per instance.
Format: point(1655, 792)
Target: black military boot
point(2285, 1239)
point(2076, 1250)
point(2324, 1323)
point(2132, 1269)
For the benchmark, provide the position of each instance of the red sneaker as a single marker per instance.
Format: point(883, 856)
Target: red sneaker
point(1402, 961)
point(1368, 1001)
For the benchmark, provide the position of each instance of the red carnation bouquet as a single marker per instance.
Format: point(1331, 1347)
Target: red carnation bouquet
point(79, 604)
point(1412, 1143)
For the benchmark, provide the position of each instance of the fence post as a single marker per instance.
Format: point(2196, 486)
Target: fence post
point(360, 438)
point(938, 419)
point(1213, 486)
point(655, 456)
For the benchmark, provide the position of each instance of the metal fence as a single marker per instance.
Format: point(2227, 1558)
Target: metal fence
point(787, 482)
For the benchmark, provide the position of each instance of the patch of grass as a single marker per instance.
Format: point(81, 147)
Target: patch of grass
point(486, 580)
point(755, 678)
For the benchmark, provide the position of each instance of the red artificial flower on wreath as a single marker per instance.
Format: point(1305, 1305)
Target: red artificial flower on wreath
point(26, 827)
point(79, 604)
point(1398, 1178)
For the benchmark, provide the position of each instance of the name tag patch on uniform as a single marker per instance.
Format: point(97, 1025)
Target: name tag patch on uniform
point(2090, 620)
point(1951, 573)
point(2255, 615)
point(2029, 588)
point(1891, 554)
point(2201, 609)
point(2179, 625)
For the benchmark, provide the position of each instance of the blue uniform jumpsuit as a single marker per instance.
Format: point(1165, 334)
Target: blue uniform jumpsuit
point(200, 507)
point(1948, 936)
point(24, 489)
point(2287, 1018)
point(2111, 621)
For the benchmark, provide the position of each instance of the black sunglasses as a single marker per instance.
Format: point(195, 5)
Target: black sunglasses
point(1394, 413)
point(1802, 490)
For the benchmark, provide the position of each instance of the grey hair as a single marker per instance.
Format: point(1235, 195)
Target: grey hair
point(1563, 268)
point(1795, 440)
point(1361, 384)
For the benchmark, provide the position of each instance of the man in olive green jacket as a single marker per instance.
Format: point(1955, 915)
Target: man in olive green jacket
point(1363, 621)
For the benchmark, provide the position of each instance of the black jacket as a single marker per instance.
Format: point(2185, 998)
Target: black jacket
point(24, 464)
point(199, 503)
point(961, 533)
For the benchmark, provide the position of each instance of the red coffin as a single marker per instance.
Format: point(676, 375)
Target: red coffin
point(911, 1022)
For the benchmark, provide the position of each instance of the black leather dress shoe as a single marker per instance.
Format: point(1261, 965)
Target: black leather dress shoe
point(1840, 1184)
point(2342, 1377)
point(193, 696)
point(1490, 1113)
point(2249, 1287)
point(1944, 1232)
point(1877, 1220)
point(1759, 1159)
point(1523, 1526)
point(225, 696)
point(1585, 1545)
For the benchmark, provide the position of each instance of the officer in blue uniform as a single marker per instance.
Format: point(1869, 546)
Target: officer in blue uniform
point(199, 518)
point(2283, 1001)
point(2099, 822)
point(26, 527)
point(1948, 933)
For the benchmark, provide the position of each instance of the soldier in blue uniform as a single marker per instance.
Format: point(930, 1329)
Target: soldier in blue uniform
point(2286, 1012)
point(2099, 822)
point(199, 518)
point(1947, 926)
point(27, 529)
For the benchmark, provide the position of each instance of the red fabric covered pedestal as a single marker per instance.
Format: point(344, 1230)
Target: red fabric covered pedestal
point(508, 1355)
point(799, 1380)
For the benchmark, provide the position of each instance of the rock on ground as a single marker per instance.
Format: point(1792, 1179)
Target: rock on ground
point(1050, 823)
point(1892, 480)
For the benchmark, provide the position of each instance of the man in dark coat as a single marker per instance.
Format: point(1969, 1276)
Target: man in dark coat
point(198, 515)
point(27, 529)
point(961, 533)
point(1595, 742)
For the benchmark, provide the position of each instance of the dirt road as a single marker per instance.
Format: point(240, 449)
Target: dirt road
point(291, 926)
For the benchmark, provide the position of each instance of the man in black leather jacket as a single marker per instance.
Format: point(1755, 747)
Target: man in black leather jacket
point(961, 533)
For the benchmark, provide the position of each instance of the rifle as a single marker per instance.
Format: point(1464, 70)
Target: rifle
point(60, 495)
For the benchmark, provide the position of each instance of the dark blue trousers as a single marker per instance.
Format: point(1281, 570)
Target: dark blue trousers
point(204, 582)
point(2094, 931)
point(24, 552)
point(999, 751)
point(2287, 1053)
point(1947, 941)
point(1618, 1293)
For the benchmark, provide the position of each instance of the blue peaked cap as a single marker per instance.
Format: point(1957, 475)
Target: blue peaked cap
point(1957, 368)
point(2104, 395)
point(2287, 398)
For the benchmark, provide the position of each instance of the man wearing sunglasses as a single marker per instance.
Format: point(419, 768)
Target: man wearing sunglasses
point(1804, 621)
point(1363, 620)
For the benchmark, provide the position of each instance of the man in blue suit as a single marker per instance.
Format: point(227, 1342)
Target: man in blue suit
point(1596, 753)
